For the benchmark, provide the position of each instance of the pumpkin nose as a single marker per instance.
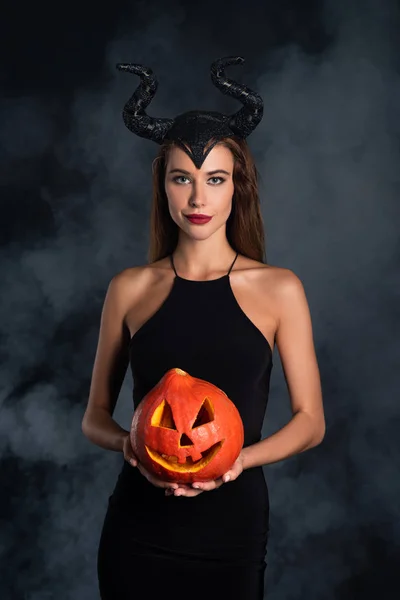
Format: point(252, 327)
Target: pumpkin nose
point(185, 440)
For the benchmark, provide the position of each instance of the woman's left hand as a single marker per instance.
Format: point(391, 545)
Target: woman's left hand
point(197, 487)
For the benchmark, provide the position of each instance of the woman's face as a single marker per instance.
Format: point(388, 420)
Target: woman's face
point(208, 190)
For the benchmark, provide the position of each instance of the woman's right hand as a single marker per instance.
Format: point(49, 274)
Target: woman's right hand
point(131, 458)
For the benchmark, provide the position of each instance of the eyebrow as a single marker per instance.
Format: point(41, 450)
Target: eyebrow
point(208, 173)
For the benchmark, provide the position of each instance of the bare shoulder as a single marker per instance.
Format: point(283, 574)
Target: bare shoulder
point(128, 285)
point(132, 277)
point(125, 280)
point(275, 280)
point(287, 295)
point(278, 288)
point(285, 288)
point(282, 282)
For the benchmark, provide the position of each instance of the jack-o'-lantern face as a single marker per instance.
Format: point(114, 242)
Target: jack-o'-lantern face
point(190, 453)
point(186, 429)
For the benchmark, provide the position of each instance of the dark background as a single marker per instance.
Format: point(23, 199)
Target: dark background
point(75, 200)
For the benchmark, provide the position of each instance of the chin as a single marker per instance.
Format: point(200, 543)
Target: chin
point(199, 236)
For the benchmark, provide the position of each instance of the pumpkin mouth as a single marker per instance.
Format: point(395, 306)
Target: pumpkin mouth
point(189, 466)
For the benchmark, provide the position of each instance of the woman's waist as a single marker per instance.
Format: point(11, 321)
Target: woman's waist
point(188, 527)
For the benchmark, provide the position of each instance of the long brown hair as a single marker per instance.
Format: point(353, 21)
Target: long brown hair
point(244, 227)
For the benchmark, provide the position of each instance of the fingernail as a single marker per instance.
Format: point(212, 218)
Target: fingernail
point(227, 478)
point(196, 485)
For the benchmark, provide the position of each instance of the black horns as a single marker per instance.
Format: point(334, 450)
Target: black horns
point(134, 113)
point(245, 120)
point(242, 123)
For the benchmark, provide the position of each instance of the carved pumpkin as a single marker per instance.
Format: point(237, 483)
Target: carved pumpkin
point(186, 429)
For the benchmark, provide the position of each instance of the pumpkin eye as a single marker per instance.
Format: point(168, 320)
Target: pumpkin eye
point(205, 414)
point(163, 417)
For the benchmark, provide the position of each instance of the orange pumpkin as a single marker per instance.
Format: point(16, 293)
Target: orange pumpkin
point(186, 429)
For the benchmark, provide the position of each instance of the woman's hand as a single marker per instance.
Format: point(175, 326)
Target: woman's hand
point(197, 487)
point(127, 451)
point(131, 458)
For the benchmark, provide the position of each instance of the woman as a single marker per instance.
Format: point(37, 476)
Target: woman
point(209, 304)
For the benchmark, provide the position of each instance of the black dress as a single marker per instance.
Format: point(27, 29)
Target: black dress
point(212, 545)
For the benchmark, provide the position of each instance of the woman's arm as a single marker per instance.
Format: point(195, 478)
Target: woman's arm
point(294, 338)
point(110, 365)
point(101, 429)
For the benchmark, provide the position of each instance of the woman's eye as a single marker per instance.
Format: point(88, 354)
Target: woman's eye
point(183, 177)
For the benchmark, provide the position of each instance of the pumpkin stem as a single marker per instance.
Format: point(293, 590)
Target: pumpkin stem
point(180, 372)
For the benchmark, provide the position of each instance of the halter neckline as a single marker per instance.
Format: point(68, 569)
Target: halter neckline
point(202, 280)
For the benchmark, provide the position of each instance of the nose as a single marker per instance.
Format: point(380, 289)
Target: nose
point(185, 440)
point(198, 196)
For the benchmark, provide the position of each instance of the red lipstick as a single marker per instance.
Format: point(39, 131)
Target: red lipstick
point(198, 219)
